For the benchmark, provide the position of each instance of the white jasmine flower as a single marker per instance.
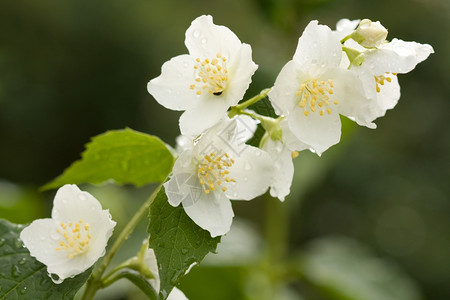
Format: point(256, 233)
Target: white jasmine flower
point(380, 67)
point(74, 238)
point(207, 81)
point(312, 90)
point(218, 168)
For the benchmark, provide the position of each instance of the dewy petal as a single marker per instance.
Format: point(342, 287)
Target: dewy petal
point(282, 96)
point(387, 98)
point(240, 72)
point(318, 132)
point(41, 240)
point(184, 184)
point(397, 57)
point(318, 46)
point(205, 39)
point(245, 126)
point(171, 88)
point(283, 168)
point(253, 173)
point(203, 116)
point(211, 212)
point(345, 27)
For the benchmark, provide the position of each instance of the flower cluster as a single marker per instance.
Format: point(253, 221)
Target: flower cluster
point(351, 71)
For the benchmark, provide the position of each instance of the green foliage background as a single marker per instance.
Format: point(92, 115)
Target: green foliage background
point(70, 70)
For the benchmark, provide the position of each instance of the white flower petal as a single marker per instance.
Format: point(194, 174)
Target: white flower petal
point(171, 88)
point(203, 116)
point(245, 127)
point(397, 57)
point(176, 294)
point(345, 27)
point(282, 96)
point(240, 71)
point(318, 46)
point(387, 98)
point(184, 184)
point(253, 173)
point(283, 168)
point(205, 39)
point(319, 132)
point(211, 212)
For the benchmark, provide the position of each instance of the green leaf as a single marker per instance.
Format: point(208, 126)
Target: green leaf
point(126, 156)
point(23, 277)
point(347, 270)
point(177, 241)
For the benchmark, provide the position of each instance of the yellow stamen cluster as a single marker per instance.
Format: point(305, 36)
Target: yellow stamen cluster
point(379, 80)
point(213, 171)
point(75, 237)
point(315, 96)
point(211, 76)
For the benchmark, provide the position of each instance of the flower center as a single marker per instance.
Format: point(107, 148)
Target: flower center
point(315, 96)
point(379, 80)
point(212, 171)
point(75, 237)
point(211, 76)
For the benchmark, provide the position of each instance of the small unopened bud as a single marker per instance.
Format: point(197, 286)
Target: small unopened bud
point(370, 34)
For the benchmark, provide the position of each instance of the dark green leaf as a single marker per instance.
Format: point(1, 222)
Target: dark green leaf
point(23, 277)
point(177, 241)
point(126, 156)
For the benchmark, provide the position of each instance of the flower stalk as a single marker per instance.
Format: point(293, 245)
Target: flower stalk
point(95, 281)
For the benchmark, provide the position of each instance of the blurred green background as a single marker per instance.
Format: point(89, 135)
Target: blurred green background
point(70, 70)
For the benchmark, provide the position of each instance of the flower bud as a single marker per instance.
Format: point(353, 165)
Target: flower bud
point(370, 34)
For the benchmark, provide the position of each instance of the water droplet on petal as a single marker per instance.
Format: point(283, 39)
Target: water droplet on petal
point(245, 179)
point(55, 278)
point(196, 34)
point(247, 166)
point(204, 40)
point(82, 197)
point(258, 153)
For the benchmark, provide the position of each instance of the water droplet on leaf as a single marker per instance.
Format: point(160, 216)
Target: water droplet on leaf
point(18, 243)
point(23, 290)
point(2, 242)
point(15, 271)
point(22, 261)
point(184, 250)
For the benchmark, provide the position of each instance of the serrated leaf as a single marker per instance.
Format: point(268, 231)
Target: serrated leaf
point(345, 269)
point(23, 277)
point(126, 156)
point(177, 241)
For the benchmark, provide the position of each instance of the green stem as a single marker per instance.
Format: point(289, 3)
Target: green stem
point(238, 109)
point(95, 283)
point(277, 224)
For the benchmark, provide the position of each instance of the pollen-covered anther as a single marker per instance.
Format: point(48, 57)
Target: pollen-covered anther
point(213, 73)
point(379, 80)
point(75, 237)
point(314, 96)
point(212, 171)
